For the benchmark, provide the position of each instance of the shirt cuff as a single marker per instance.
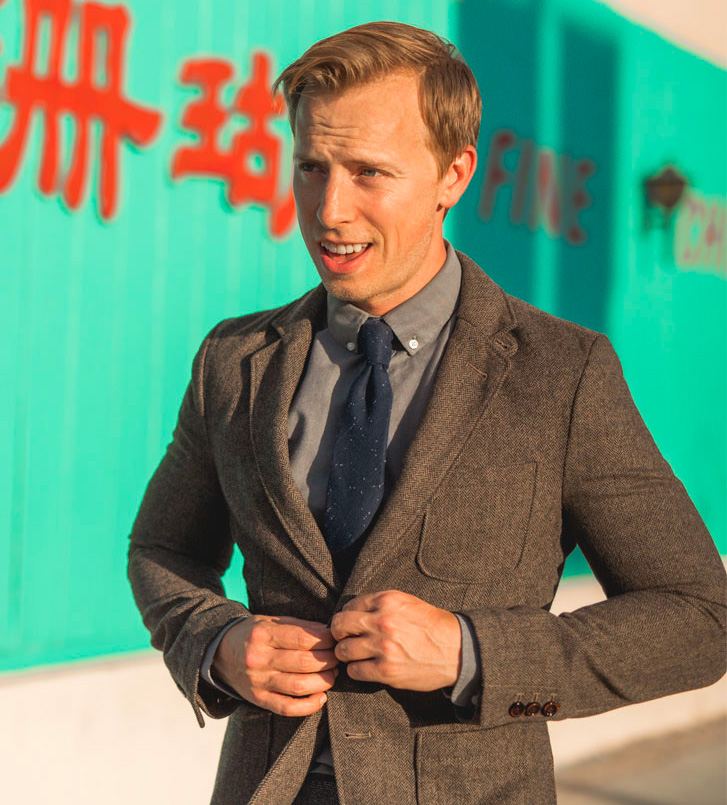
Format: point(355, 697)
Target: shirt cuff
point(466, 690)
point(206, 670)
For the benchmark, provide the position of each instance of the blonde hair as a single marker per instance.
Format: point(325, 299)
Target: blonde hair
point(449, 98)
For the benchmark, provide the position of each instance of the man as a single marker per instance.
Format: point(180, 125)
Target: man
point(405, 456)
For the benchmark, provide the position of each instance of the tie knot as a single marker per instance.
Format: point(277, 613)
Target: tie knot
point(374, 341)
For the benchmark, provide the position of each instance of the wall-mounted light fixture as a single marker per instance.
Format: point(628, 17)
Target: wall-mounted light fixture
point(662, 194)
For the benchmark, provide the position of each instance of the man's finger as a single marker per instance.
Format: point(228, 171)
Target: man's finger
point(302, 684)
point(349, 624)
point(365, 671)
point(354, 649)
point(310, 637)
point(304, 662)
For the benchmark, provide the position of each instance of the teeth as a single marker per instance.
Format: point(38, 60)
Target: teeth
point(343, 248)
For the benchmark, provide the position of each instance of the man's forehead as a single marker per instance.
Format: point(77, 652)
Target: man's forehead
point(342, 130)
point(364, 112)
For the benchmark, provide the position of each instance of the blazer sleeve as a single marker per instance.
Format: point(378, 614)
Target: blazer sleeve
point(662, 628)
point(180, 546)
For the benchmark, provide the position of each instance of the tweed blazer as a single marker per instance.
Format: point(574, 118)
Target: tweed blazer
point(530, 445)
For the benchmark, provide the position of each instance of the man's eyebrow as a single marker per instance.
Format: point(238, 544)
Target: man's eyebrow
point(358, 160)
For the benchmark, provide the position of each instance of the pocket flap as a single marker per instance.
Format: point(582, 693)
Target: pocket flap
point(473, 530)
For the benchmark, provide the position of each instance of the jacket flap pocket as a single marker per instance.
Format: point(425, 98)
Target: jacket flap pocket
point(474, 530)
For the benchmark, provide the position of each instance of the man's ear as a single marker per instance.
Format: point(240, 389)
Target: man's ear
point(458, 176)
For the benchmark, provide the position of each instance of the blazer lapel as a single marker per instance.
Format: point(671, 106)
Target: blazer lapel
point(473, 367)
point(275, 372)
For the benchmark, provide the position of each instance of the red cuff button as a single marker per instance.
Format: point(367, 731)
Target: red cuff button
point(550, 709)
point(532, 709)
point(516, 709)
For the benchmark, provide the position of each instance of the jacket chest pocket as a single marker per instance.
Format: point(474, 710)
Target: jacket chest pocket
point(476, 528)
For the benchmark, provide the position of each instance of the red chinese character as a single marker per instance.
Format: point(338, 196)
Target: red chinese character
point(207, 116)
point(84, 99)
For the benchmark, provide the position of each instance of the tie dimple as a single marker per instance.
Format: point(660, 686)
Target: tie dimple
point(374, 342)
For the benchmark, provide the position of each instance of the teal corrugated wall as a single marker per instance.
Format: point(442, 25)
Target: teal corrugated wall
point(101, 318)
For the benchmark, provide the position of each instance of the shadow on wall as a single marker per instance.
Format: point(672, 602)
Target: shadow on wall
point(538, 216)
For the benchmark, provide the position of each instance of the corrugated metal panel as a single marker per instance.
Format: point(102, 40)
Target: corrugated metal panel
point(101, 319)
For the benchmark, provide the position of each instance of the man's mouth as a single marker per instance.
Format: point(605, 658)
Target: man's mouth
point(341, 253)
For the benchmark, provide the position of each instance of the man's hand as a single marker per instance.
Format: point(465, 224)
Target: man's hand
point(281, 664)
point(399, 640)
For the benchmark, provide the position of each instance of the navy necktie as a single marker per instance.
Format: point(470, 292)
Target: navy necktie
point(356, 482)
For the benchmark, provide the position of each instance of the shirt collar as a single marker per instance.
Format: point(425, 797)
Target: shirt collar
point(416, 322)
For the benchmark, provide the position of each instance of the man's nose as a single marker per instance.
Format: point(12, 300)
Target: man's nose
point(335, 205)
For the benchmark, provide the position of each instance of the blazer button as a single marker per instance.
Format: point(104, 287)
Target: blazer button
point(516, 709)
point(550, 709)
point(532, 709)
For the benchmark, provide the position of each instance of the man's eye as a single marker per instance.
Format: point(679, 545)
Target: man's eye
point(369, 172)
point(307, 167)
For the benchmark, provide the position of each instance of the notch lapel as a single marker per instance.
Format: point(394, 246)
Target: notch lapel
point(275, 372)
point(473, 368)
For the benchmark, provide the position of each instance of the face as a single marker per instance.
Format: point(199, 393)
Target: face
point(369, 199)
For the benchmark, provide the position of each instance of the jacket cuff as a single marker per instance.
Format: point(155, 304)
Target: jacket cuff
point(516, 689)
point(192, 644)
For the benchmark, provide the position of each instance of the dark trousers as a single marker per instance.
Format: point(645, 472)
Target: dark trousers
point(318, 789)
